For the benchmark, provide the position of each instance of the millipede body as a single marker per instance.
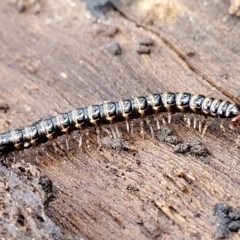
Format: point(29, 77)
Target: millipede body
point(114, 112)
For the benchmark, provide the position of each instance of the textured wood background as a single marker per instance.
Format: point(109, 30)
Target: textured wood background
point(59, 60)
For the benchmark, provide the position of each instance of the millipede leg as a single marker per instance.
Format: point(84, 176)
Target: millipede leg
point(222, 125)
point(237, 143)
point(163, 120)
point(44, 150)
point(194, 123)
point(36, 155)
point(75, 137)
point(127, 126)
point(169, 117)
point(200, 120)
point(80, 140)
point(131, 128)
point(5, 160)
point(98, 136)
point(22, 154)
point(87, 138)
point(200, 126)
point(32, 150)
point(187, 119)
point(189, 122)
point(231, 126)
point(114, 134)
point(67, 142)
point(157, 121)
point(14, 157)
point(110, 134)
point(55, 145)
point(206, 127)
point(119, 134)
point(150, 126)
point(151, 130)
point(58, 144)
point(142, 132)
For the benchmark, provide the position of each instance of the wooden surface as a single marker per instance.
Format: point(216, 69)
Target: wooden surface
point(59, 60)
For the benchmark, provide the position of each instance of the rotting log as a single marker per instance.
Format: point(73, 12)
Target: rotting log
point(141, 189)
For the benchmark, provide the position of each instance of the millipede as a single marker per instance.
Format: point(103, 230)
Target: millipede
point(110, 113)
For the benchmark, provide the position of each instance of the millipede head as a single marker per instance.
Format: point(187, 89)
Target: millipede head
point(236, 121)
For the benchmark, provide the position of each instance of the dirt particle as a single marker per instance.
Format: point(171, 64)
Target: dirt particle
point(142, 49)
point(205, 160)
point(197, 148)
point(191, 53)
point(111, 32)
point(145, 44)
point(106, 30)
point(151, 230)
point(48, 188)
point(173, 139)
point(146, 41)
point(21, 6)
point(114, 171)
point(234, 215)
point(234, 226)
point(22, 202)
point(187, 176)
point(194, 147)
point(197, 215)
point(139, 221)
point(163, 133)
point(129, 169)
point(63, 75)
point(98, 7)
point(118, 144)
point(224, 75)
point(132, 188)
point(31, 65)
point(115, 49)
point(228, 218)
point(138, 162)
point(181, 148)
point(4, 106)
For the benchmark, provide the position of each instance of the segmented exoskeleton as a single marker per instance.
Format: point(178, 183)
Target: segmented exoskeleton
point(114, 112)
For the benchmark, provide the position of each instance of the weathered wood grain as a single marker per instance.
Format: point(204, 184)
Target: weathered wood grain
point(59, 60)
point(203, 34)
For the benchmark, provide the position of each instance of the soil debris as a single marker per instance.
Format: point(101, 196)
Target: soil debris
point(99, 8)
point(106, 30)
point(22, 208)
point(118, 144)
point(48, 188)
point(168, 135)
point(146, 41)
point(194, 147)
point(228, 218)
point(115, 49)
point(181, 148)
point(4, 106)
point(142, 49)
